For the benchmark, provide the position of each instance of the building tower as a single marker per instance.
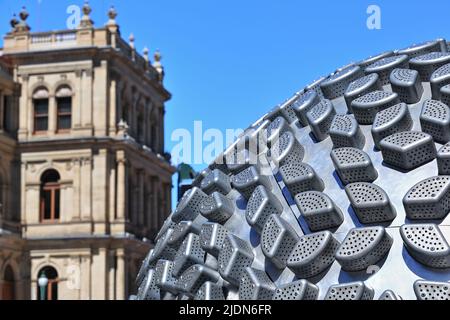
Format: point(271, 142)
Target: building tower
point(84, 178)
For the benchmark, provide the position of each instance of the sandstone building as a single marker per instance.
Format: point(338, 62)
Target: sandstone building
point(84, 180)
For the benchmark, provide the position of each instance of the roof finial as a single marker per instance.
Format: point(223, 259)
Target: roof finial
point(158, 65)
point(133, 48)
point(21, 26)
point(131, 39)
point(24, 14)
point(112, 14)
point(86, 21)
point(145, 53)
point(146, 58)
point(157, 55)
point(14, 22)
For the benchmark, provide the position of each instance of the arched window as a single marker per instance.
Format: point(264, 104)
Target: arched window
point(8, 284)
point(50, 196)
point(64, 109)
point(40, 112)
point(49, 288)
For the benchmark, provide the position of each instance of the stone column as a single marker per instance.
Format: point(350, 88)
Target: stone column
point(111, 275)
point(113, 107)
point(99, 267)
point(120, 276)
point(76, 189)
point(79, 99)
point(86, 104)
point(86, 186)
point(52, 117)
point(121, 185)
point(99, 111)
point(23, 203)
point(112, 188)
point(86, 277)
point(25, 113)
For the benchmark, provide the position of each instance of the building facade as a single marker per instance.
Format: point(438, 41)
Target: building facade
point(84, 180)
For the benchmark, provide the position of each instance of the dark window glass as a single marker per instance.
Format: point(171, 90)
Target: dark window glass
point(57, 197)
point(64, 113)
point(47, 203)
point(41, 115)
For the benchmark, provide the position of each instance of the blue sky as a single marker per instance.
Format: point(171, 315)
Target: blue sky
point(228, 62)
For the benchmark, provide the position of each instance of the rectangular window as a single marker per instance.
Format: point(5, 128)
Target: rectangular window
point(50, 203)
point(46, 205)
point(64, 113)
point(40, 115)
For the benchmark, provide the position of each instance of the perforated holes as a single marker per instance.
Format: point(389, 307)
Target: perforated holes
point(189, 206)
point(298, 290)
point(361, 82)
point(287, 150)
point(428, 290)
point(278, 240)
point(259, 208)
point(234, 257)
point(320, 118)
point(363, 247)
point(384, 67)
point(217, 208)
point(443, 159)
point(408, 149)
point(391, 120)
point(404, 75)
point(429, 199)
point(255, 285)
point(353, 165)
point(366, 107)
point(427, 63)
point(337, 83)
point(321, 247)
point(370, 203)
point(350, 291)
point(435, 120)
point(299, 177)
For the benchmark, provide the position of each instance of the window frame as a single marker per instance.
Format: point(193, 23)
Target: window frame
point(38, 116)
point(50, 198)
point(63, 114)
